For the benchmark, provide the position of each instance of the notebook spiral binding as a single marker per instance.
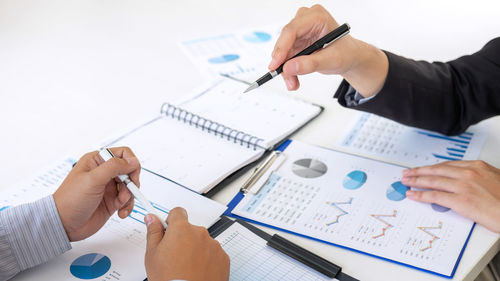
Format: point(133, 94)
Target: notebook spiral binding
point(212, 127)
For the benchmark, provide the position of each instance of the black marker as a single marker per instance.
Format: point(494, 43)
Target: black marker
point(323, 42)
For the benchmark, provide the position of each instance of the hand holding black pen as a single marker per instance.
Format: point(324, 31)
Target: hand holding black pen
point(323, 42)
point(362, 65)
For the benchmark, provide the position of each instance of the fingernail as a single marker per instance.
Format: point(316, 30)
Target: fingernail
point(410, 193)
point(406, 171)
point(148, 219)
point(127, 212)
point(404, 179)
point(289, 85)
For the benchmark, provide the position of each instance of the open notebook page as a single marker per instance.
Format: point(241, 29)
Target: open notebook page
point(185, 154)
point(261, 113)
point(252, 259)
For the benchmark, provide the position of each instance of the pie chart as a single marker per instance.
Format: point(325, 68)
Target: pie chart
point(354, 180)
point(396, 192)
point(439, 208)
point(257, 37)
point(309, 168)
point(90, 266)
point(223, 58)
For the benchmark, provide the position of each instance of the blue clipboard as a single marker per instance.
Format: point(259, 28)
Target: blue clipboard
point(241, 194)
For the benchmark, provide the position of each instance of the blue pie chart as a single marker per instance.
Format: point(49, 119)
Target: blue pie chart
point(354, 180)
point(396, 192)
point(223, 58)
point(90, 266)
point(439, 208)
point(257, 37)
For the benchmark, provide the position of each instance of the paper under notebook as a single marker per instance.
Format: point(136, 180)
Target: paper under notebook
point(244, 53)
point(199, 142)
point(116, 251)
point(252, 259)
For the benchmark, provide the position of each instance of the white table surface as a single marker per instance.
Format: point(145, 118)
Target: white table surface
point(73, 72)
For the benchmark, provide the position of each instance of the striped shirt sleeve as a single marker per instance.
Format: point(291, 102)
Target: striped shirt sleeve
point(30, 234)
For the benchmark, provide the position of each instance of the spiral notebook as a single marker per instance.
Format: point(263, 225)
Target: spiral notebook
point(216, 131)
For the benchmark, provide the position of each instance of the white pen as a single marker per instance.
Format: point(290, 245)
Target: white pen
point(106, 154)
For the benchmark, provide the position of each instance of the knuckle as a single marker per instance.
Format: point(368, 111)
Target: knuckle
point(431, 196)
point(313, 64)
point(288, 28)
point(480, 164)
point(468, 199)
point(302, 10)
point(432, 181)
point(317, 7)
point(469, 173)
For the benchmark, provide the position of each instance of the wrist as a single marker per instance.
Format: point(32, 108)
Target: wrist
point(58, 204)
point(368, 70)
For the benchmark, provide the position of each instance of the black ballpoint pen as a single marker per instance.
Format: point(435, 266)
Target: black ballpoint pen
point(323, 42)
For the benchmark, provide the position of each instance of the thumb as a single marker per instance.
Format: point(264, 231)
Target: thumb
point(326, 60)
point(113, 168)
point(155, 231)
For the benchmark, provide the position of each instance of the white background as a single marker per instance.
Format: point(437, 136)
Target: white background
point(73, 72)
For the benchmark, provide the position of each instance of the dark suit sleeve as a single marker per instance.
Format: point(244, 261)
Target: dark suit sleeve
point(444, 97)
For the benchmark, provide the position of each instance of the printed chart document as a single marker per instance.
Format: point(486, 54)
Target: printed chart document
point(380, 138)
point(116, 251)
point(213, 133)
point(244, 54)
point(357, 203)
point(252, 259)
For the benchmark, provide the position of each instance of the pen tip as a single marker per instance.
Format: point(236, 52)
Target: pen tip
point(252, 86)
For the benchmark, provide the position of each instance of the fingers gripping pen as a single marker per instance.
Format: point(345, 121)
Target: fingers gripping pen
point(106, 154)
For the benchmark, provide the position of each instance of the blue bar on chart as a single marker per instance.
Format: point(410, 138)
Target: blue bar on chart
point(452, 153)
point(139, 212)
point(374, 136)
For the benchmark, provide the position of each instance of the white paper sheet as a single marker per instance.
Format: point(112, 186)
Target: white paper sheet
point(244, 54)
point(252, 259)
point(118, 248)
point(360, 204)
point(386, 140)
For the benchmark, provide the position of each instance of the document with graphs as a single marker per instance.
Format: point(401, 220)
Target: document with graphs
point(383, 139)
point(356, 203)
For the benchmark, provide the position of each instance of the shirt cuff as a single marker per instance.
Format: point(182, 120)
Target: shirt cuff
point(35, 232)
point(354, 98)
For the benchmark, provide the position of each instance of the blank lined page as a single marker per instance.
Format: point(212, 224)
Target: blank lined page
point(252, 259)
point(264, 114)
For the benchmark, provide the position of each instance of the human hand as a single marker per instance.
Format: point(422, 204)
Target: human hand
point(364, 66)
point(183, 251)
point(470, 188)
point(90, 194)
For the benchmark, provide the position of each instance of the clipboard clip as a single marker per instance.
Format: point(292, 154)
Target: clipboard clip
point(262, 173)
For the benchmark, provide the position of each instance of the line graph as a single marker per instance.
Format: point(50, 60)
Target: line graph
point(342, 211)
point(387, 224)
point(427, 230)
